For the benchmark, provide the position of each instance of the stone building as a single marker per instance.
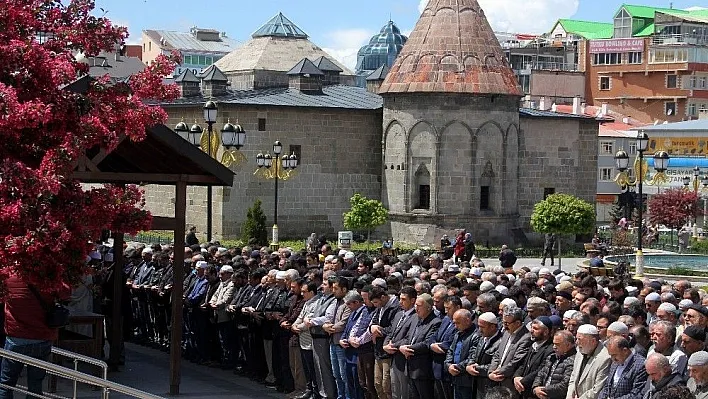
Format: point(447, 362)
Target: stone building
point(443, 144)
point(456, 154)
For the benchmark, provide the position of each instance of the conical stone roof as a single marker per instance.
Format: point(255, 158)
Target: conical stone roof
point(452, 49)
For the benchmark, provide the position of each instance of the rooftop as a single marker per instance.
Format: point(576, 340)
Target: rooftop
point(273, 50)
point(685, 126)
point(587, 29)
point(452, 49)
point(537, 113)
point(115, 67)
point(187, 41)
point(280, 26)
point(334, 96)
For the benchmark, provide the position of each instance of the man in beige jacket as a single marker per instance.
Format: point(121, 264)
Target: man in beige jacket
point(592, 364)
point(218, 303)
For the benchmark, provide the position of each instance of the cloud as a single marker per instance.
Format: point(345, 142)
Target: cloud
point(134, 36)
point(344, 44)
point(537, 16)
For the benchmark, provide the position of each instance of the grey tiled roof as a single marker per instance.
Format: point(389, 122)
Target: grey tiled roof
point(550, 114)
point(325, 64)
point(379, 73)
point(106, 64)
point(186, 41)
point(214, 74)
point(336, 96)
point(305, 67)
point(187, 76)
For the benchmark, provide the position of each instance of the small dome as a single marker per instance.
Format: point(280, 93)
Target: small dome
point(382, 49)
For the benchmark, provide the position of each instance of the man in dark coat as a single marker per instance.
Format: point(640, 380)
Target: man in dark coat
point(458, 354)
point(482, 354)
point(441, 343)
point(541, 349)
point(419, 359)
point(631, 381)
point(553, 378)
point(402, 324)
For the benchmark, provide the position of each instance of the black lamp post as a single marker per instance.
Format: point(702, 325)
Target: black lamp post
point(622, 160)
point(285, 163)
point(232, 136)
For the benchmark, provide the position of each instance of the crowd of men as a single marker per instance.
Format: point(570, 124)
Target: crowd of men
point(330, 324)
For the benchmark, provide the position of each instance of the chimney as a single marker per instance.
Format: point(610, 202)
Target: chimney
point(188, 83)
point(374, 80)
point(576, 105)
point(542, 104)
point(603, 109)
point(118, 50)
point(305, 77)
point(703, 114)
point(583, 107)
point(625, 120)
point(214, 82)
point(330, 69)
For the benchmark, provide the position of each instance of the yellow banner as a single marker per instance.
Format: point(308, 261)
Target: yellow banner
point(679, 145)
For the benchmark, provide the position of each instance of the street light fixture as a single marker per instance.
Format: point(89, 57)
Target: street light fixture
point(276, 168)
point(232, 136)
point(661, 163)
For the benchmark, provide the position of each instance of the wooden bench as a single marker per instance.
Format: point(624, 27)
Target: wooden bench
point(590, 251)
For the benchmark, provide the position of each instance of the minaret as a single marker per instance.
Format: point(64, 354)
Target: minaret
point(451, 136)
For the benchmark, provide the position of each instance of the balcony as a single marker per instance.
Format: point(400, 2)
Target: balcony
point(544, 66)
point(679, 39)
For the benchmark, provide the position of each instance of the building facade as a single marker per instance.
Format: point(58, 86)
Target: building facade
point(199, 47)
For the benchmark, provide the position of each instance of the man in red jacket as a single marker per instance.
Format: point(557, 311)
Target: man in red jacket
point(27, 332)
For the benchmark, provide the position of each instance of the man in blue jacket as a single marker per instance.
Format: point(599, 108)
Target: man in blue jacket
point(441, 343)
point(627, 378)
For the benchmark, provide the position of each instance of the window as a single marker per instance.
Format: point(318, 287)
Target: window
point(187, 59)
point(660, 56)
point(605, 174)
point(634, 57)
point(297, 150)
point(607, 59)
point(149, 46)
point(671, 81)
point(202, 60)
point(143, 47)
point(261, 124)
point(692, 110)
point(607, 147)
point(605, 83)
point(701, 84)
point(670, 108)
point(484, 198)
point(632, 148)
point(548, 191)
point(423, 196)
point(623, 25)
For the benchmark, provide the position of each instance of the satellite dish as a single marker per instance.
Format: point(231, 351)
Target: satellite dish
point(656, 122)
point(669, 112)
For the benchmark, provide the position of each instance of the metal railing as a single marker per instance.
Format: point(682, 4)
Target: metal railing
point(76, 358)
point(64, 372)
point(679, 38)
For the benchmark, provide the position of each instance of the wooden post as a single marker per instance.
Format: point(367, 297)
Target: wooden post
point(116, 337)
point(176, 337)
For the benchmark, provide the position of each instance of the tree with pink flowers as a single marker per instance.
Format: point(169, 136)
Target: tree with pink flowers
point(47, 219)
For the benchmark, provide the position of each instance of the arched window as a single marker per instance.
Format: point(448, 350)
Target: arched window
point(422, 188)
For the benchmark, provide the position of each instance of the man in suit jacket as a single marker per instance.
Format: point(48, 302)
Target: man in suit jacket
point(592, 363)
point(440, 345)
point(483, 353)
point(458, 354)
point(401, 326)
point(627, 378)
point(541, 349)
point(419, 359)
point(513, 348)
point(387, 307)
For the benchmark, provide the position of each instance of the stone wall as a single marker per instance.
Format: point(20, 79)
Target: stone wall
point(455, 144)
point(558, 154)
point(340, 154)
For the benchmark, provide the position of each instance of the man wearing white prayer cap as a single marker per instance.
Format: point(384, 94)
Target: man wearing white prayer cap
point(652, 302)
point(698, 370)
point(617, 328)
point(487, 346)
point(591, 366)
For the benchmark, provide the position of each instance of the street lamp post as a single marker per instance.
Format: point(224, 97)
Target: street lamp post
point(661, 163)
point(281, 170)
point(697, 181)
point(232, 136)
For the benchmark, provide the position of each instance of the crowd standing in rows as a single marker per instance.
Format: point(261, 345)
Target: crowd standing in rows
point(326, 323)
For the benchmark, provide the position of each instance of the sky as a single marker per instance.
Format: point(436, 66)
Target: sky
point(341, 27)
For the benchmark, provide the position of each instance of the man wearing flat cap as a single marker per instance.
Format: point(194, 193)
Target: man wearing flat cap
point(541, 348)
point(693, 340)
point(698, 370)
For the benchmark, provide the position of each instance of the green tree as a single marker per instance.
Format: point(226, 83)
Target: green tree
point(365, 214)
point(255, 231)
point(563, 214)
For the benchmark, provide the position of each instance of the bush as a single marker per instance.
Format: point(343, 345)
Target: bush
point(254, 228)
point(679, 271)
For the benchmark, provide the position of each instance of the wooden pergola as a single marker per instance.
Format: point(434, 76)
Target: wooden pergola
point(165, 158)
